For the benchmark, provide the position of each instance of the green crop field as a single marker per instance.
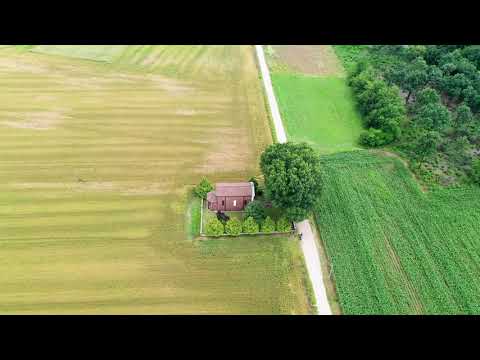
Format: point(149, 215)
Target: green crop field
point(395, 249)
point(317, 108)
point(97, 159)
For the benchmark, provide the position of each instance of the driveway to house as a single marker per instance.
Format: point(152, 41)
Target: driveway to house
point(308, 244)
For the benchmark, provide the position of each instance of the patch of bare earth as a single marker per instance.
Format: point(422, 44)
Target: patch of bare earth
point(19, 65)
point(171, 86)
point(309, 59)
point(228, 152)
point(37, 120)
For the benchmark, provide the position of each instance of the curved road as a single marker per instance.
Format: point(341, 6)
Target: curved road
point(308, 244)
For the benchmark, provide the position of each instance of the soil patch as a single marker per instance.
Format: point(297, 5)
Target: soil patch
point(309, 59)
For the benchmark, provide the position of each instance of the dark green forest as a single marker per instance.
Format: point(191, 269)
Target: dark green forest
point(422, 101)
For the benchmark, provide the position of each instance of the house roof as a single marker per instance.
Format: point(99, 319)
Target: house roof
point(233, 189)
point(211, 196)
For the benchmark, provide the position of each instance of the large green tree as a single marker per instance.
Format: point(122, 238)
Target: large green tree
point(292, 177)
point(410, 76)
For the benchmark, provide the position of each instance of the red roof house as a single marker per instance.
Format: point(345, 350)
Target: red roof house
point(231, 196)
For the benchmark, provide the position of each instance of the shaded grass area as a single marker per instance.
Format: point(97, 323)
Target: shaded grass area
point(319, 111)
point(395, 249)
point(96, 163)
point(194, 213)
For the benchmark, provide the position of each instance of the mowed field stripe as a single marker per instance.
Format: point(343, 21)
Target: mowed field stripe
point(97, 161)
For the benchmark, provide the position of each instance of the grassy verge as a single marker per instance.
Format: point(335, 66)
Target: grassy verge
point(193, 215)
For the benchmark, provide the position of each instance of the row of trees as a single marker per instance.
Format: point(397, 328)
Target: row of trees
point(249, 226)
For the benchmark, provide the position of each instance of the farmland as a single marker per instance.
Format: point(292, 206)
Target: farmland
point(100, 147)
point(395, 249)
point(315, 102)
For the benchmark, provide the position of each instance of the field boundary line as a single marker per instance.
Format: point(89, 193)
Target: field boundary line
point(272, 101)
point(308, 245)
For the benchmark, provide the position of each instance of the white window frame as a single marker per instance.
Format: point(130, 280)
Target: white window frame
point(235, 203)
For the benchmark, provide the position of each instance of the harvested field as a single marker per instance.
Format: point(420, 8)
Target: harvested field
point(97, 159)
point(308, 59)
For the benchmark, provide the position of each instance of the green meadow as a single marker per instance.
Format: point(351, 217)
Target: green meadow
point(318, 110)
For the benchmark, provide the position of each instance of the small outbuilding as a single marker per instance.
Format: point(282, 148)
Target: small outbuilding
point(230, 196)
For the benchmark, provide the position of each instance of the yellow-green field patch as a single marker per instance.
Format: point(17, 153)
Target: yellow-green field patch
point(96, 161)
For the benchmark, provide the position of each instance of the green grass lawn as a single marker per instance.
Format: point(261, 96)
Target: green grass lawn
point(395, 249)
point(318, 110)
point(97, 160)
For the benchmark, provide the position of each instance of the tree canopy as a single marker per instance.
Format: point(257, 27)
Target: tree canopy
point(203, 188)
point(292, 176)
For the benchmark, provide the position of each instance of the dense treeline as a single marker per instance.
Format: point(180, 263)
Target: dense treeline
point(425, 102)
point(380, 105)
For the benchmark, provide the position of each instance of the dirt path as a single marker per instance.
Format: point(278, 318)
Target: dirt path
point(308, 244)
point(272, 101)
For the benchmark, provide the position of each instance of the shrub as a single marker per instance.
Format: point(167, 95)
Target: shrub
point(268, 225)
point(373, 138)
point(203, 188)
point(250, 226)
point(233, 227)
point(476, 171)
point(214, 228)
point(256, 210)
point(258, 188)
point(283, 225)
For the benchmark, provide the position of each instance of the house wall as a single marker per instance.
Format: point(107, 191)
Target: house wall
point(212, 205)
point(227, 203)
point(236, 203)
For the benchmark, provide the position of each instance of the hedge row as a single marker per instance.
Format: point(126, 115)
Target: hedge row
point(249, 226)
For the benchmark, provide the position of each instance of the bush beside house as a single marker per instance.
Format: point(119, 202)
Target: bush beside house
point(283, 225)
point(268, 225)
point(214, 228)
point(203, 188)
point(256, 210)
point(250, 226)
point(233, 227)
